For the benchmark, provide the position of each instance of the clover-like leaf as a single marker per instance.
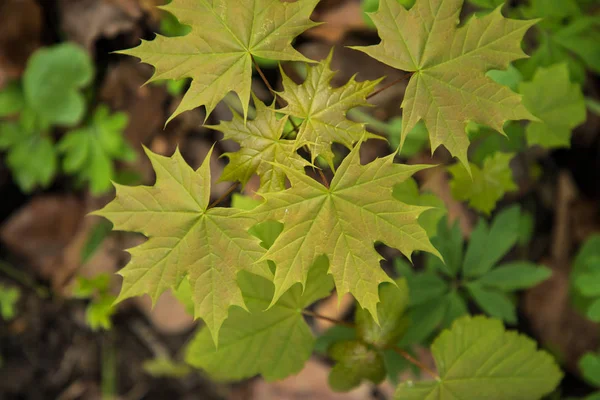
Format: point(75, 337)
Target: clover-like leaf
point(261, 145)
point(558, 103)
point(217, 53)
point(90, 150)
point(343, 221)
point(52, 81)
point(323, 109)
point(478, 359)
point(185, 238)
point(483, 187)
point(449, 87)
point(242, 350)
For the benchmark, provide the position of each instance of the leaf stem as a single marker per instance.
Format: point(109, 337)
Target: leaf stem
point(323, 178)
point(23, 279)
point(325, 318)
point(224, 195)
point(389, 85)
point(414, 361)
point(273, 92)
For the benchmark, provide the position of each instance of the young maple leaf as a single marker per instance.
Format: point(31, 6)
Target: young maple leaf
point(449, 87)
point(343, 221)
point(217, 53)
point(261, 145)
point(323, 109)
point(185, 238)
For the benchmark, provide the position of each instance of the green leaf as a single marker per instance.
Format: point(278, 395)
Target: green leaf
point(449, 87)
point(488, 142)
point(185, 296)
point(493, 302)
point(99, 311)
point(87, 287)
point(52, 80)
point(355, 361)
point(241, 352)
point(337, 333)
point(588, 284)
point(343, 221)
point(9, 296)
point(323, 110)
point(186, 238)
point(32, 161)
point(390, 314)
point(368, 6)
point(488, 245)
point(589, 365)
point(261, 145)
point(478, 359)
point(217, 53)
point(408, 192)
point(593, 311)
point(426, 286)
point(485, 186)
point(557, 102)
point(425, 318)
point(89, 152)
point(95, 238)
point(449, 242)
point(510, 77)
point(415, 142)
point(587, 261)
point(526, 228)
point(516, 275)
point(12, 99)
point(457, 307)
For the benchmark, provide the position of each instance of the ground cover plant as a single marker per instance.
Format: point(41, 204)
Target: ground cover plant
point(485, 83)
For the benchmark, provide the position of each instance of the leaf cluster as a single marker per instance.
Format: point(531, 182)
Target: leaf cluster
point(50, 97)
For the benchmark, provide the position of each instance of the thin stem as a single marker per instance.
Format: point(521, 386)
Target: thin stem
point(325, 318)
point(23, 279)
point(273, 92)
point(224, 195)
point(414, 361)
point(323, 178)
point(389, 85)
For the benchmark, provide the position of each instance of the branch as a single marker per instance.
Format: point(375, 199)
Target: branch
point(224, 195)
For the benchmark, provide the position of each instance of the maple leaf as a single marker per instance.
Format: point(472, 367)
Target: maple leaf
point(217, 53)
point(343, 221)
point(261, 145)
point(557, 102)
point(186, 238)
point(242, 352)
point(323, 109)
point(449, 87)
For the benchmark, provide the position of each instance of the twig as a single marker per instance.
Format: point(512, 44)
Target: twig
point(325, 318)
point(389, 85)
point(323, 178)
point(414, 361)
point(23, 279)
point(224, 195)
point(273, 92)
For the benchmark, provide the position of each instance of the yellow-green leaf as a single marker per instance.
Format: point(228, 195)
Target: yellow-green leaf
point(449, 87)
point(486, 185)
point(323, 109)
point(185, 238)
point(343, 221)
point(558, 103)
point(217, 53)
point(261, 145)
